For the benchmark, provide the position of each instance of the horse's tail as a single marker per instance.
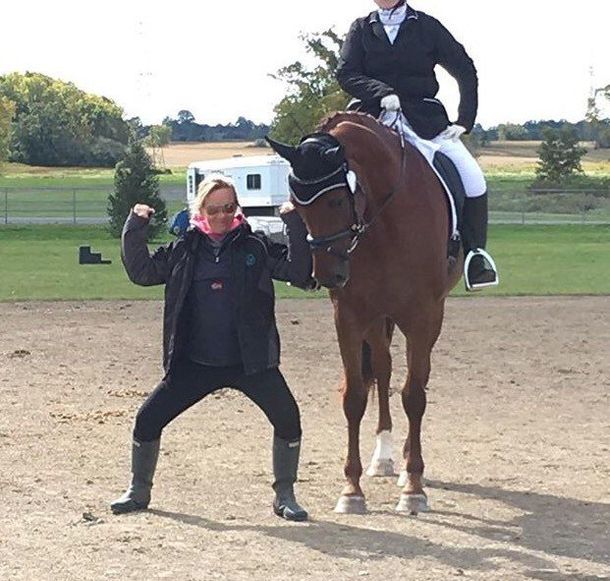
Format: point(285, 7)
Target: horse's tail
point(368, 375)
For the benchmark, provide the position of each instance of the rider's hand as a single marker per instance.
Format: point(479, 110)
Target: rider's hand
point(390, 103)
point(143, 211)
point(453, 132)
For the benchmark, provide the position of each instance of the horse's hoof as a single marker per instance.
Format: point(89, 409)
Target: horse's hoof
point(381, 467)
point(351, 505)
point(412, 503)
point(402, 479)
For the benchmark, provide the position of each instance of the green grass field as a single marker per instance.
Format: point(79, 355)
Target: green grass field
point(41, 262)
point(73, 194)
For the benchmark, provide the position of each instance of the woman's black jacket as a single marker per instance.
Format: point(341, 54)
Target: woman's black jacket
point(255, 261)
point(371, 68)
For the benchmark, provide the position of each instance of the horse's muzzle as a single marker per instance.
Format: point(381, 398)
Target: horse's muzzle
point(334, 282)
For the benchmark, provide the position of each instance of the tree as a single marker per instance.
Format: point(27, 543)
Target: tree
point(475, 140)
point(560, 156)
point(57, 124)
point(312, 94)
point(158, 136)
point(135, 182)
point(137, 129)
point(512, 132)
point(243, 129)
point(601, 133)
point(185, 116)
point(7, 112)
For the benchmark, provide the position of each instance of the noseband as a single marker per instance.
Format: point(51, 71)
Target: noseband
point(342, 177)
point(305, 192)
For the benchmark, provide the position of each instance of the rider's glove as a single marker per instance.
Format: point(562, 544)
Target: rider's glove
point(390, 103)
point(453, 132)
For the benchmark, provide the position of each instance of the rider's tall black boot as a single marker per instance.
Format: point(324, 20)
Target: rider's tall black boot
point(285, 465)
point(144, 457)
point(479, 268)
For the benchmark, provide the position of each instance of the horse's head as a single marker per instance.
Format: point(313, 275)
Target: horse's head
point(322, 189)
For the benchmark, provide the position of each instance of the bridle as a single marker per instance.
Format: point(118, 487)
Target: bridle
point(343, 177)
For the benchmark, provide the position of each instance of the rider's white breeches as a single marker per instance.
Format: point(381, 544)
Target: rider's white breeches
point(467, 166)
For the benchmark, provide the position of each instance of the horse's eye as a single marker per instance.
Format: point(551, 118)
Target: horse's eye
point(336, 203)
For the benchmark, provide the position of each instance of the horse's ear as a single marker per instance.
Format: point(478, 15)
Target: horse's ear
point(334, 155)
point(284, 150)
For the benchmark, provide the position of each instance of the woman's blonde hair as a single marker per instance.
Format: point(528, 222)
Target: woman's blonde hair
point(210, 184)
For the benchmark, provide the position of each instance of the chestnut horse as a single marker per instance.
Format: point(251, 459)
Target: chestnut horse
point(378, 221)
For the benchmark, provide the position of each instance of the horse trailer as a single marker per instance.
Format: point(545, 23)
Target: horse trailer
point(262, 187)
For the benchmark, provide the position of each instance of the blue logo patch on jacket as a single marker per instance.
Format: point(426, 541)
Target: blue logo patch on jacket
point(250, 260)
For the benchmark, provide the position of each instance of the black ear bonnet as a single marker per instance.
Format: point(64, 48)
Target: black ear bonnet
point(319, 167)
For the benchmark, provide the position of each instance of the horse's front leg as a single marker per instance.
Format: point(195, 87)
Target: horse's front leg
point(420, 342)
point(355, 396)
point(379, 338)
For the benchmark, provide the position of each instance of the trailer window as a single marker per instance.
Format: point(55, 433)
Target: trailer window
point(253, 181)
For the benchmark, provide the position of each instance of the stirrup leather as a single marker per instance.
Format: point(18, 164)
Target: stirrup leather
point(490, 260)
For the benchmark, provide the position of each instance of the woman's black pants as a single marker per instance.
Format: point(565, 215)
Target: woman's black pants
point(189, 382)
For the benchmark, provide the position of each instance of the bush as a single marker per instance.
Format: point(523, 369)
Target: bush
point(135, 182)
point(560, 156)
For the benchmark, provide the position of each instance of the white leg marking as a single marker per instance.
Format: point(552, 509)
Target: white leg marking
point(382, 463)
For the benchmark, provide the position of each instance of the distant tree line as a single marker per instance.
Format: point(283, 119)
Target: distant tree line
point(48, 122)
point(185, 128)
point(597, 131)
point(45, 121)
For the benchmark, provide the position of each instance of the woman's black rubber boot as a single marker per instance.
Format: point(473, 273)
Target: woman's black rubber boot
point(144, 457)
point(285, 466)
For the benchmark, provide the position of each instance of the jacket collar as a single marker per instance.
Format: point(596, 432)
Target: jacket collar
point(196, 236)
point(411, 15)
point(378, 29)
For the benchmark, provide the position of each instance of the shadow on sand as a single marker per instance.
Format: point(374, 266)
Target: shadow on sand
point(554, 526)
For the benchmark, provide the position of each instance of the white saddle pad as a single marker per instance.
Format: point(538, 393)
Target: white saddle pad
point(428, 149)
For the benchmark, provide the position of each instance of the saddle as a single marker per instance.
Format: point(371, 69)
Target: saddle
point(455, 188)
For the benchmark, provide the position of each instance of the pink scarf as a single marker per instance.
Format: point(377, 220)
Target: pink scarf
point(202, 224)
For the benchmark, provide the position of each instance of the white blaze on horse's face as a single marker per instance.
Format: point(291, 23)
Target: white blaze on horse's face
point(352, 181)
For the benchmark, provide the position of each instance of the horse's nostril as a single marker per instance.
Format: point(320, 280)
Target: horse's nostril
point(340, 280)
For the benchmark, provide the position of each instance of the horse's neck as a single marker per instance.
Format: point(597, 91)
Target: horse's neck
point(378, 158)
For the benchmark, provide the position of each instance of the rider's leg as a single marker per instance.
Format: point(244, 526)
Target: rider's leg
point(480, 269)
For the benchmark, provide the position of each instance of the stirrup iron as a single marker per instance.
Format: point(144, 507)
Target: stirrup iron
point(490, 260)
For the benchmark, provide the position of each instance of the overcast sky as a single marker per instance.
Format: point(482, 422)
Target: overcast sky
point(535, 58)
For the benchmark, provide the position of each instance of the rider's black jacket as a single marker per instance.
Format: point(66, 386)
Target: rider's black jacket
point(371, 68)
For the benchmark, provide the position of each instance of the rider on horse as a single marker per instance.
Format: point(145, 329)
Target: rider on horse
point(387, 63)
